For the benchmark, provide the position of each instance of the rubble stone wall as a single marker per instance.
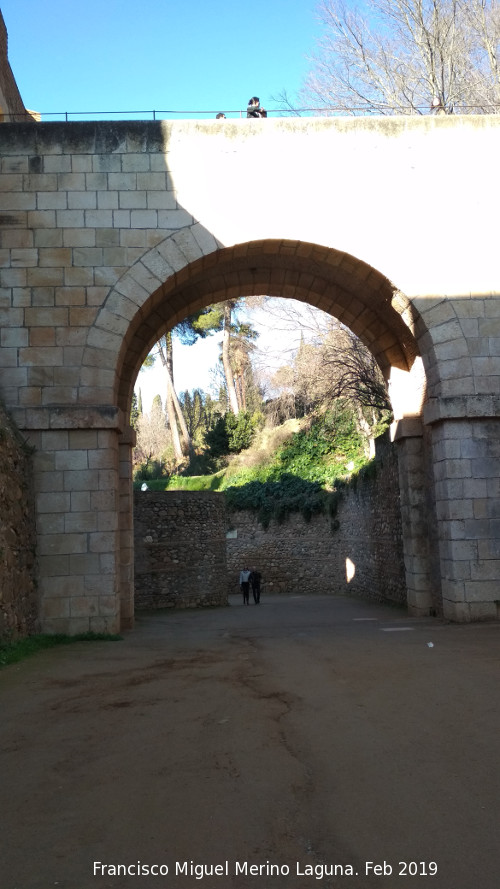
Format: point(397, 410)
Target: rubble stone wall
point(358, 552)
point(180, 549)
point(18, 590)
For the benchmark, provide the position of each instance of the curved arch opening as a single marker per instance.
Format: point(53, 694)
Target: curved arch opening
point(347, 288)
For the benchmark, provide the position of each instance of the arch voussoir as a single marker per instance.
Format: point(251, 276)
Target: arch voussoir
point(172, 254)
point(115, 322)
point(176, 277)
point(142, 275)
point(187, 244)
point(156, 262)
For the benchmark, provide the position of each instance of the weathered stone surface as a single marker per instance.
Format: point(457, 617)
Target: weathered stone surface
point(18, 592)
point(180, 549)
point(358, 552)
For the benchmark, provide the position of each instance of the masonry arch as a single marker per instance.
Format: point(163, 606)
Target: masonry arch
point(178, 277)
point(335, 282)
point(142, 306)
point(114, 231)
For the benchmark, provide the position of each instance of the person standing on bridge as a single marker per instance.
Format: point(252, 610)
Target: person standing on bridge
point(437, 106)
point(254, 109)
point(245, 584)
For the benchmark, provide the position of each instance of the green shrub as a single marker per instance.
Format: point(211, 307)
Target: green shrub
point(151, 469)
point(323, 452)
point(306, 474)
point(231, 433)
point(217, 438)
point(202, 464)
point(277, 499)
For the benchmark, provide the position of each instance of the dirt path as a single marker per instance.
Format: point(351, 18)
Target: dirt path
point(313, 731)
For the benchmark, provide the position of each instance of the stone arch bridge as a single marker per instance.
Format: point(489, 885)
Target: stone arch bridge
point(110, 233)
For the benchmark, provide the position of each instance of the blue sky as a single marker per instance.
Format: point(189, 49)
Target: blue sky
point(119, 55)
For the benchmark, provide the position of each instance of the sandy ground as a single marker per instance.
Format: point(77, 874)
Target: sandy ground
point(272, 742)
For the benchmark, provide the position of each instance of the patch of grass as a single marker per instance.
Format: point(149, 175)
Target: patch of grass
point(184, 483)
point(16, 650)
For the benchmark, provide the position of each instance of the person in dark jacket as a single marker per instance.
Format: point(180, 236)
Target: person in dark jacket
point(255, 579)
point(254, 109)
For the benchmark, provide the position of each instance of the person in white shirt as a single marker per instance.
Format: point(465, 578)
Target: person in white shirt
point(245, 584)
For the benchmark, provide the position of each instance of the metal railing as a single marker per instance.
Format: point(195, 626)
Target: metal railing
point(169, 114)
point(128, 115)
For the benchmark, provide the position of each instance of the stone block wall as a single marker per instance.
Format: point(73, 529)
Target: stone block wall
point(180, 549)
point(112, 232)
point(77, 500)
point(466, 453)
point(359, 552)
point(413, 443)
point(18, 591)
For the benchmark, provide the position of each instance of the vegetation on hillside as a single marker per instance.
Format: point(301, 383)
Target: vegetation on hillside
point(306, 473)
point(292, 451)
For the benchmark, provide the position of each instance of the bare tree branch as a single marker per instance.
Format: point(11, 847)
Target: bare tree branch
point(330, 363)
point(405, 57)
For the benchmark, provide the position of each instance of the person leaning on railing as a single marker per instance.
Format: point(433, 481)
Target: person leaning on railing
point(254, 109)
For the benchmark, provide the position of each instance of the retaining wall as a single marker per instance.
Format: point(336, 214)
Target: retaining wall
point(358, 552)
point(18, 589)
point(180, 549)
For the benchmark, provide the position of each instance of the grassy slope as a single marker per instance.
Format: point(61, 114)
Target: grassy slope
point(300, 466)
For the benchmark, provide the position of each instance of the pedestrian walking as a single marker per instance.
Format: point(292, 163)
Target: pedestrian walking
point(255, 579)
point(245, 584)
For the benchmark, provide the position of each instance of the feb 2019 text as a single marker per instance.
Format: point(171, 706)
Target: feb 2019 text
point(199, 871)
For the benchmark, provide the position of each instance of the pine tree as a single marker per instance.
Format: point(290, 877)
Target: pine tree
point(134, 411)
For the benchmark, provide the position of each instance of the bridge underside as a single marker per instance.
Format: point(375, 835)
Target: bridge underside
point(346, 288)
